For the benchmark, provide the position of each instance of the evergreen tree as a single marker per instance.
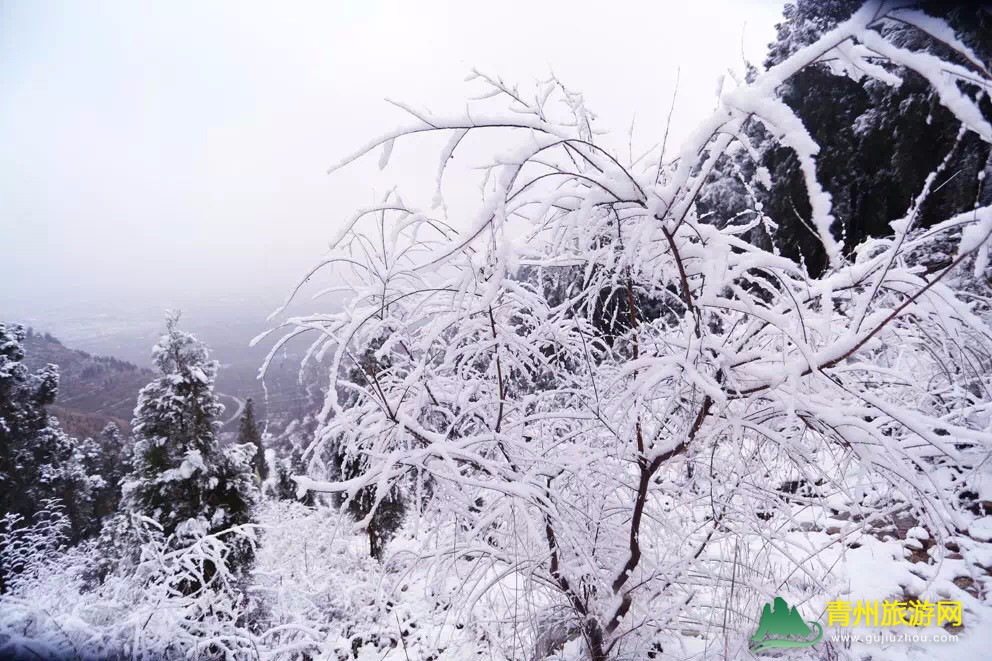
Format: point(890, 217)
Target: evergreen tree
point(386, 515)
point(248, 434)
point(878, 143)
point(181, 478)
point(91, 491)
point(38, 461)
point(280, 483)
point(111, 459)
point(23, 421)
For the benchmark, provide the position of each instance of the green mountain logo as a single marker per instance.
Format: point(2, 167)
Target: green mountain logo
point(782, 626)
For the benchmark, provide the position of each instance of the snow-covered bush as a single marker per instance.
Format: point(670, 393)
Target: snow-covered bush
point(636, 425)
point(27, 552)
point(148, 611)
point(315, 592)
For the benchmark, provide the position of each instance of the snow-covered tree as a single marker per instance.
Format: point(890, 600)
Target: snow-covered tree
point(27, 439)
point(114, 463)
point(381, 516)
point(878, 142)
point(181, 478)
point(249, 434)
point(603, 477)
point(280, 484)
point(38, 461)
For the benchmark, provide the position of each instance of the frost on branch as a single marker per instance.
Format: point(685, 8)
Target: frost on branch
point(616, 401)
point(181, 599)
point(27, 552)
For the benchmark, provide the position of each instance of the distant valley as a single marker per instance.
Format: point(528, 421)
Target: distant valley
point(93, 390)
point(97, 389)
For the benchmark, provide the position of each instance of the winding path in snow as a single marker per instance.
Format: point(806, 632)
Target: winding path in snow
point(241, 407)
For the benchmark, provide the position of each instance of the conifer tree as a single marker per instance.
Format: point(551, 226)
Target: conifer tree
point(181, 478)
point(112, 461)
point(248, 434)
point(386, 516)
point(38, 461)
point(382, 515)
point(280, 484)
point(878, 142)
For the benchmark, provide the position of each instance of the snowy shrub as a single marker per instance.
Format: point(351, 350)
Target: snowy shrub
point(636, 425)
point(179, 600)
point(327, 598)
point(28, 552)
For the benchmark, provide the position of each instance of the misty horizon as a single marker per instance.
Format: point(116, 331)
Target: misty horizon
point(177, 153)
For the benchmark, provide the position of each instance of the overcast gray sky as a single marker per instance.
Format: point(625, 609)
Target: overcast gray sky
point(156, 148)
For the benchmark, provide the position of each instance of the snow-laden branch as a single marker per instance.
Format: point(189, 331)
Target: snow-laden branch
point(598, 380)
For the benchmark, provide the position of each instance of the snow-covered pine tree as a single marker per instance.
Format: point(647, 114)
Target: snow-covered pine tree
point(23, 420)
point(38, 461)
point(280, 484)
point(381, 513)
point(114, 463)
point(383, 518)
point(181, 478)
point(248, 434)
